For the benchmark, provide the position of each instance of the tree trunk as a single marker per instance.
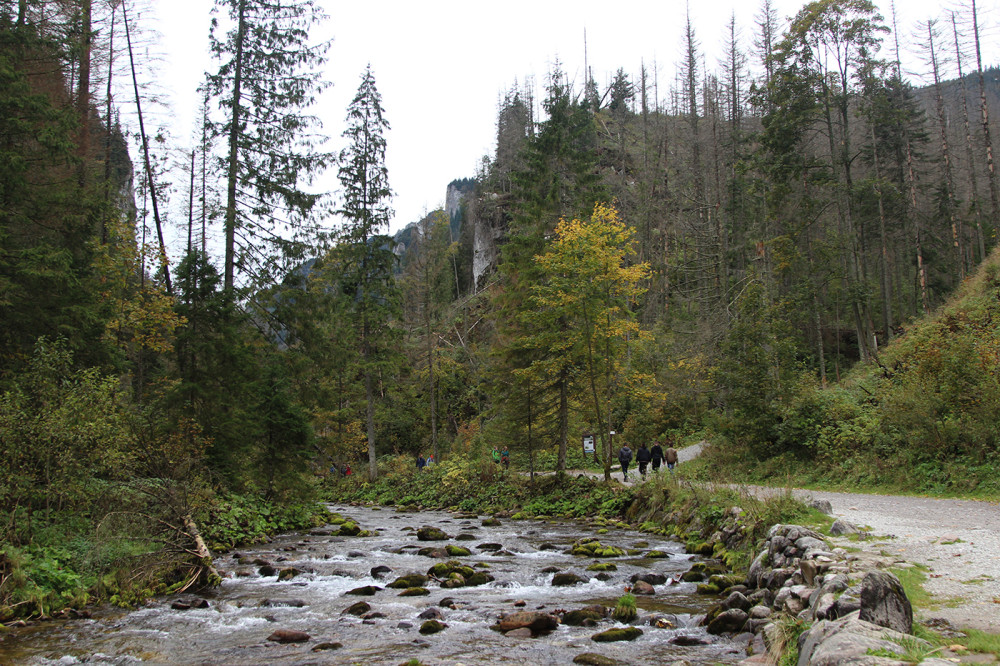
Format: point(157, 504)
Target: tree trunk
point(973, 181)
point(83, 88)
point(985, 112)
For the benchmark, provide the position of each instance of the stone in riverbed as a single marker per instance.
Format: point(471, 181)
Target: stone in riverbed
point(380, 571)
point(320, 647)
point(432, 627)
point(538, 623)
point(686, 641)
point(428, 533)
point(289, 636)
point(617, 634)
point(728, 622)
point(358, 609)
point(491, 522)
point(436, 553)
point(410, 580)
point(288, 573)
point(415, 592)
point(465, 537)
point(651, 578)
point(642, 587)
point(431, 614)
point(267, 570)
point(564, 579)
point(479, 578)
point(366, 591)
point(577, 618)
point(490, 546)
point(523, 632)
point(457, 551)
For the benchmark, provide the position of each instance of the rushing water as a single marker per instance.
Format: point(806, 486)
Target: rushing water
point(248, 607)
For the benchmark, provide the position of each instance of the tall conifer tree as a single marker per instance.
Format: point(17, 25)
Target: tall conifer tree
point(366, 251)
point(268, 75)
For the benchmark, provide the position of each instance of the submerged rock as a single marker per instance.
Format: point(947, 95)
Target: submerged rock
point(594, 659)
point(410, 580)
point(577, 618)
point(358, 609)
point(320, 647)
point(366, 591)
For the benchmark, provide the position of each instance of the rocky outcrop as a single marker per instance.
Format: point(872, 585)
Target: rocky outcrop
point(851, 640)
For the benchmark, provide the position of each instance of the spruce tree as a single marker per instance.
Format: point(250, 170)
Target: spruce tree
point(268, 76)
point(366, 252)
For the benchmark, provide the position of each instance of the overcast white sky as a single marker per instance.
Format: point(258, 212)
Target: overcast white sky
point(442, 65)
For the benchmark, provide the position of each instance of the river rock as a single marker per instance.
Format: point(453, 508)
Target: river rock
point(409, 580)
point(358, 609)
point(349, 529)
point(523, 632)
point(883, 602)
point(651, 578)
point(428, 533)
point(435, 553)
point(289, 636)
point(322, 647)
point(366, 591)
point(737, 600)
point(491, 522)
point(465, 537)
point(617, 634)
point(288, 573)
point(564, 579)
point(490, 547)
point(537, 622)
point(687, 641)
point(727, 622)
point(282, 603)
point(267, 570)
point(431, 614)
point(432, 627)
point(582, 617)
point(415, 592)
point(457, 551)
point(380, 571)
point(548, 570)
point(479, 578)
point(643, 588)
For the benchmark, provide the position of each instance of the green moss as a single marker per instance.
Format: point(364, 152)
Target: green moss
point(617, 634)
point(603, 566)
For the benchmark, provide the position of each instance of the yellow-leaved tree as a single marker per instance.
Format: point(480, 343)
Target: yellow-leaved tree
point(590, 288)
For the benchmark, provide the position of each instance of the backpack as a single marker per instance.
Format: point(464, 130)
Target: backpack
point(625, 455)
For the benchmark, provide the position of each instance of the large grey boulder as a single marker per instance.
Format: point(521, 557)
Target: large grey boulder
point(850, 640)
point(883, 602)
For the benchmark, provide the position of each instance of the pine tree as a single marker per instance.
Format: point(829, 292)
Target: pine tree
point(268, 76)
point(366, 249)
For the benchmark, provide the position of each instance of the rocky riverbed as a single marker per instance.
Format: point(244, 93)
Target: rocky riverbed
point(480, 591)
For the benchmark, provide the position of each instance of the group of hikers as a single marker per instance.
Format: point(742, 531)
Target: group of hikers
point(421, 462)
point(644, 456)
point(501, 457)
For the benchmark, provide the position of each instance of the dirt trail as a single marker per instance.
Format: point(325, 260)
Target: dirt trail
point(957, 540)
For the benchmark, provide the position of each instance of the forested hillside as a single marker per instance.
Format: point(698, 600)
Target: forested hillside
point(793, 255)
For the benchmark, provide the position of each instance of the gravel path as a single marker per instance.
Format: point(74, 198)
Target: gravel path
point(957, 540)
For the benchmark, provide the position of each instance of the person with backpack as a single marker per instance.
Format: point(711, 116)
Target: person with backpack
point(656, 455)
point(420, 462)
point(505, 458)
point(496, 456)
point(643, 456)
point(625, 457)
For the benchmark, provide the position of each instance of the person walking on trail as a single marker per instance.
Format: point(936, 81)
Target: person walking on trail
point(496, 456)
point(643, 456)
point(505, 458)
point(625, 457)
point(656, 456)
point(670, 456)
point(420, 462)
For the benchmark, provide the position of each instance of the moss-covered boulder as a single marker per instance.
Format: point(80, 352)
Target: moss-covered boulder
point(657, 554)
point(288, 573)
point(479, 578)
point(366, 591)
point(491, 522)
point(594, 659)
point(348, 528)
point(591, 547)
point(582, 617)
point(445, 569)
point(358, 609)
point(693, 576)
point(457, 551)
point(410, 580)
point(617, 634)
point(603, 566)
point(433, 553)
point(415, 592)
point(432, 627)
point(427, 533)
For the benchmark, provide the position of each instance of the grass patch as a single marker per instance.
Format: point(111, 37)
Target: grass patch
point(982, 642)
point(912, 650)
point(913, 579)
